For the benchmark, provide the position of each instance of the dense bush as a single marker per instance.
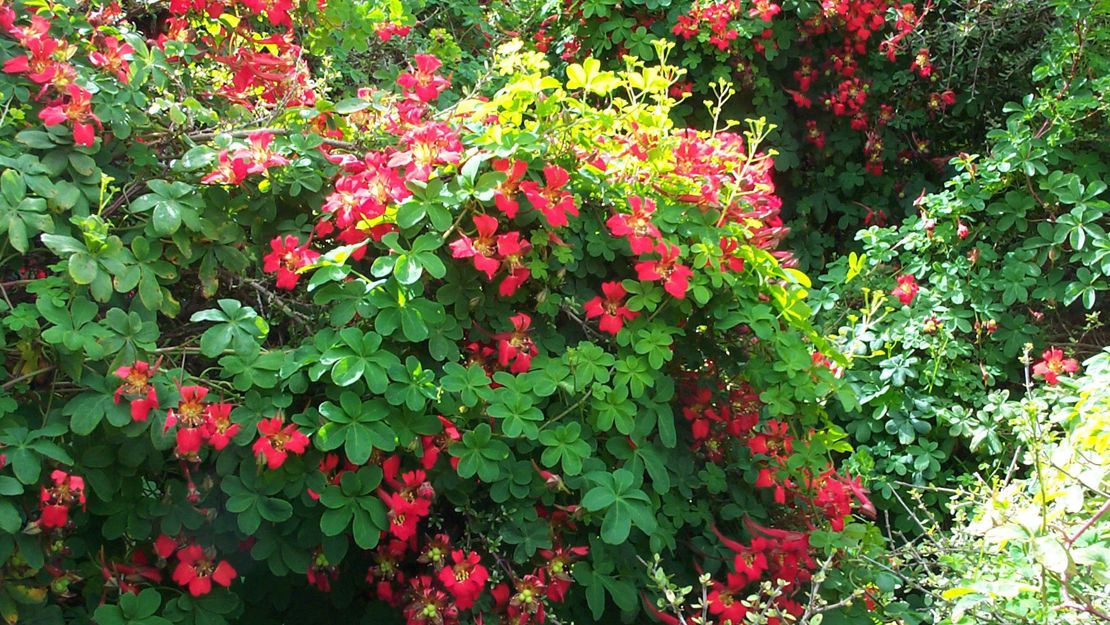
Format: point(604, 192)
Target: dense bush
point(453, 312)
point(440, 364)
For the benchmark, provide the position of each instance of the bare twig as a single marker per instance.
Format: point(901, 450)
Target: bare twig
point(26, 376)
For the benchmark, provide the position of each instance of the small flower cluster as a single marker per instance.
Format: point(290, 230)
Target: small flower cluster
point(491, 252)
point(234, 167)
point(45, 63)
point(276, 12)
point(276, 441)
point(906, 289)
point(286, 258)
point(199, 423)
point(366, 193)
point(511, 351)
point(714, 422)
point(432, 581)
point(717, 17)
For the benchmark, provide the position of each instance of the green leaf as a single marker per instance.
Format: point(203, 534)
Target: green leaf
point(83, 268)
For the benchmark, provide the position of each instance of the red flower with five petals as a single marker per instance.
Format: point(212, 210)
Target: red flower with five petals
point(551, 199)
point(286, 257)
point(136, 383)
point(1053, 364)
point(675, 277)
point(278, 441)
point(611, 309)
point(196, 570)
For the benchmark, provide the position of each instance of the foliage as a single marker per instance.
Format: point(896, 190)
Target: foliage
point(428, 358)
point(1013, 251)
point(1033, 549)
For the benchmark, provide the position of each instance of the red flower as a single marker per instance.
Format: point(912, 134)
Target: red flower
point(481, 249)
point(558, 570)
point(766, 10)
point(404, 515)
point(428, 605)
point(388, 30)
point(1052, 364)
point(512, 249)
point(113, 58)
point(429, 145)
point(921, 63)
point(675, 277)
point(641, 232)
point(230, 169)
point(505, 194)
point(423, 82)
point(465, 579)
point(723, 602)
point(433, 445)
point(77, 111)
point(218, 428)
point(751, 561)
point(612, 310)
point(191, 413)
point(906, 289)
point(136, 382)
point(196, 570)
point(551, 200)
point(164, 546)
point(55, 502)
point(515, 349)
point(729, 261)
point(526, 604)
point(258, 155)
point(277, 11)
point(277, 442)
point(39, 63)
point(286, 257)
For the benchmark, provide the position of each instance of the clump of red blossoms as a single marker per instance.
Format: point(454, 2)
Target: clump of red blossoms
point(218, 428)
point(55, 502)
point(136, 385)
point(278, 441)
point(1053, 364)
point(190, 413)
point(504, 197)
point(637, 227)
point(75, 107)
point(198, 423)
point(490, 252)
